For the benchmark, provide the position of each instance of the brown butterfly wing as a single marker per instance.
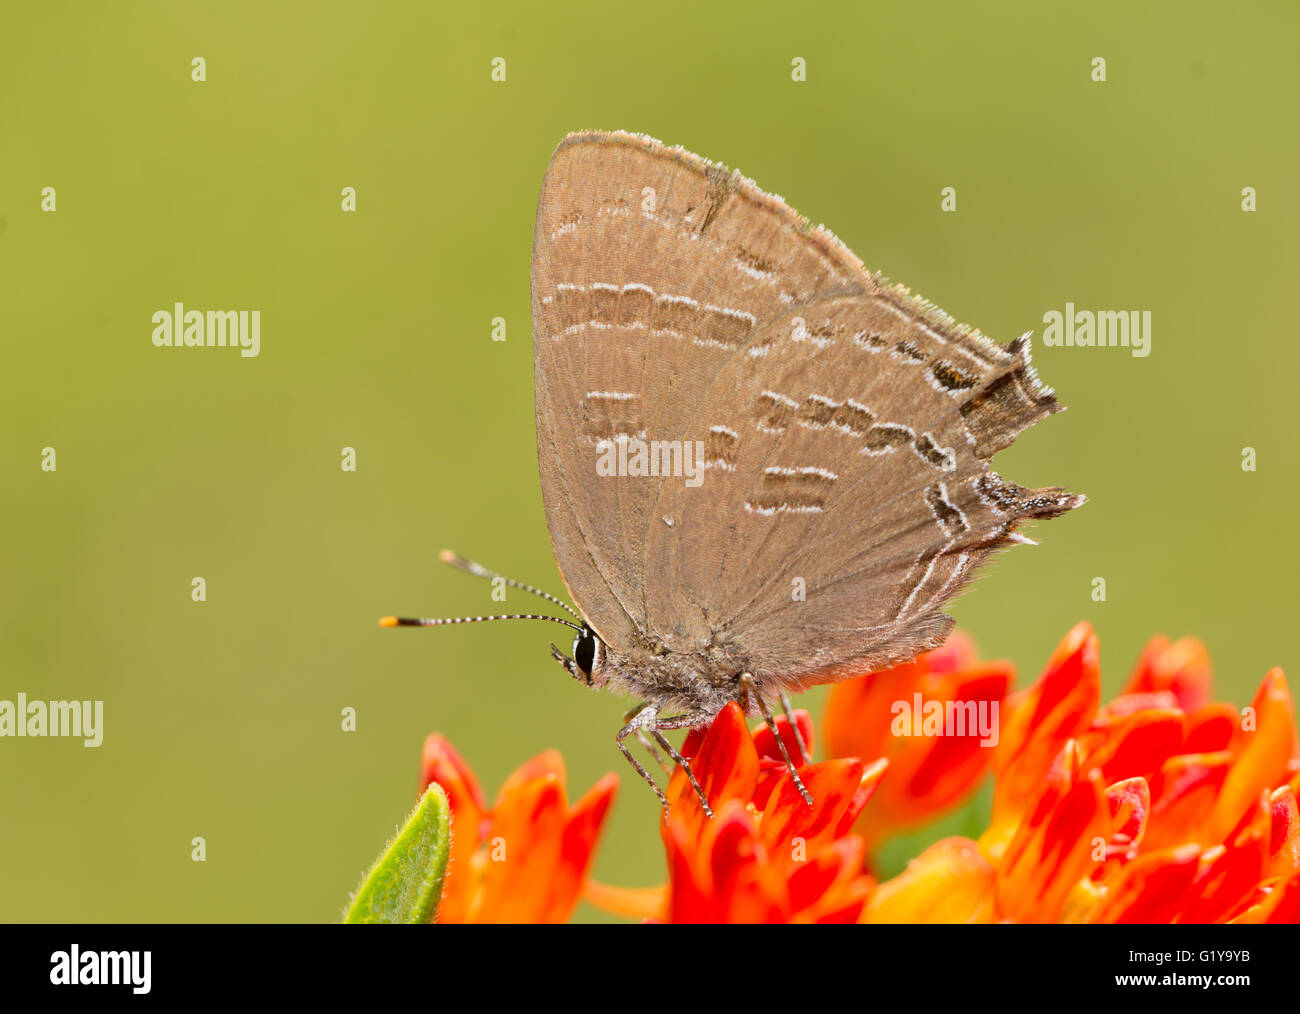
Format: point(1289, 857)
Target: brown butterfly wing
point(619, 285)
point(847, 425)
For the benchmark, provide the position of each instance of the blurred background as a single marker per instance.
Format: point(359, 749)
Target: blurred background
point(222, 718)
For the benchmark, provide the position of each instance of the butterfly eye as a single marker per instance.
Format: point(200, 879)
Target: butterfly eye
point(584, 651)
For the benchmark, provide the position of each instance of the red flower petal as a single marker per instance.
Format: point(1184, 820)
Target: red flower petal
point(1211, 728)
point(578, 847)
point(1284, 836)
point(872, 776)
point(547, 764)
point(830, 887)
point(523, 852)
point(1182, 668)
point(442, 764)
point(771, 765)
point(1133, 746)
point(1053, 850)
point(1227, 877)
point(1151, 889)
point(833, 785)
point(1183, 794)
point(1265, 754)
point(1230, 872)
point(951, 764)
point(731, 868)
point(1039, 721)
point(725, 764)
point(765, 742)
point(1130, 806)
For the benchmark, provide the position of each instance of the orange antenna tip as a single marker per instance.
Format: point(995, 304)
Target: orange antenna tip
point(388, 621)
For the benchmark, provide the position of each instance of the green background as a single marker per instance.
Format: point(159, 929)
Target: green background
point(223, 718)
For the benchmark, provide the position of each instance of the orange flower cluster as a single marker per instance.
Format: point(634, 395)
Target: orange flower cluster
point(1159, 806)
point(766, 856)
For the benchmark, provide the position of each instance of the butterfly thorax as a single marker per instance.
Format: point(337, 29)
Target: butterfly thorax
point(697, 684)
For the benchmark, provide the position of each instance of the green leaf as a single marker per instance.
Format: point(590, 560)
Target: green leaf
point(405, 884)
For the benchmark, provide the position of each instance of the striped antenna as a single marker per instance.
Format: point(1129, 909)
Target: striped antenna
point(407, 621)
point(478, 570)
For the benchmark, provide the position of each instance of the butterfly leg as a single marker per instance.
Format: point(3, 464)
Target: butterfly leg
point(642, 719)
point(794, 726)
point(644, 740)
point(646, 719)
point(749, 687)
point(682, 722)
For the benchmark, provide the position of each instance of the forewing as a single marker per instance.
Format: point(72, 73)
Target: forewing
point(647, 279)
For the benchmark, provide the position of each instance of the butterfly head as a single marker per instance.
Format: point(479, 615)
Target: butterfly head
point(588, 664)
point(591, 663)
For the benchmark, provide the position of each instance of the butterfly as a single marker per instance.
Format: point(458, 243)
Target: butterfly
point(764, 468)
